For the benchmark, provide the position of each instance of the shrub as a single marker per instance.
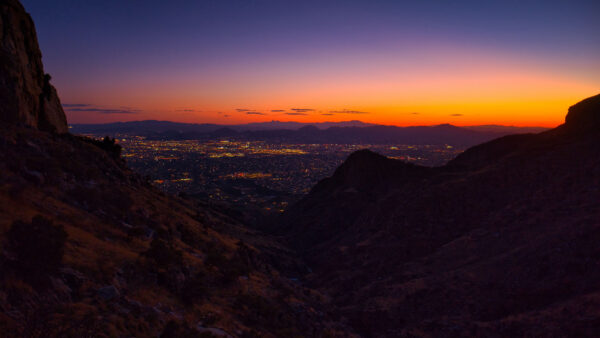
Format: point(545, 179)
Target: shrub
point(174, 329)
point(189, 236)
point(258, 311)
point(38, 247)
point(194, 289)
point(107, 144)
point(135, 232)
point(230, 268)
point(164, 254)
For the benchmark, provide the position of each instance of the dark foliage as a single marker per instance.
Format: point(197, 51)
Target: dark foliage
point(259, 311)
point(175, 329)
point(164, 254)
point(194, 289)
point(107, 144)
point(38, 247)
point(230, 268)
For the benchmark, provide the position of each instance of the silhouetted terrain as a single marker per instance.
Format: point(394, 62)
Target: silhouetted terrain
point(500, 241)
point(158, 127)
point(88, 248)
point(351, 132)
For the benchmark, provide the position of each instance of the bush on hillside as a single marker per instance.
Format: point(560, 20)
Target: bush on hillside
point(38, 247)
point(164, 254)
point(107, 144)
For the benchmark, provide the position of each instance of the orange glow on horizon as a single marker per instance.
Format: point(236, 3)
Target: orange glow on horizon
point(463, 88)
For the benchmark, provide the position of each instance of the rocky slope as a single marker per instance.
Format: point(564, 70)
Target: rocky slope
point(500, 241)
point(89, 248)
point(26, 96)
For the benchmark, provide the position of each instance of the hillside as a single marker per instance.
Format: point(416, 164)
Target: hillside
point(134, 259)
point(500, 241)
point(89, 248)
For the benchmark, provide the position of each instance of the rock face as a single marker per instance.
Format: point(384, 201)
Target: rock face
point(585, 115)
point(26, 95)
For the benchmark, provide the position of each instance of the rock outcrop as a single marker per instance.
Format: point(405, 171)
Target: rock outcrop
point(585, 115)
point(26, 96)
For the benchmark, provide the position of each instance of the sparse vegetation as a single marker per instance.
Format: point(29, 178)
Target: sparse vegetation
point(261, 312)
point(164, 254)
point(230, 268)
point(107, 144)
point(38, 247)
point(194, 289)
point(176, 329)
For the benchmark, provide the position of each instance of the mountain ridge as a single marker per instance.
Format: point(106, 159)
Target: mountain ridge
point(306, 133)
point(502, 241)
point(468, 248)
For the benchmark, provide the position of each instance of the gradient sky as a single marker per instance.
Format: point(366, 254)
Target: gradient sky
point(391, 62)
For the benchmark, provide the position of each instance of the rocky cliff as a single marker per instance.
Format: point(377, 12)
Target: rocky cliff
point(26, 96)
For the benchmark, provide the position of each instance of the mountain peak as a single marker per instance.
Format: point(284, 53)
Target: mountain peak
point(309, 128)
point(26, 95)
point(364, 169)
point(585, 115)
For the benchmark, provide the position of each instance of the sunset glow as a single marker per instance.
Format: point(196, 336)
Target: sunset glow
point(381, 62)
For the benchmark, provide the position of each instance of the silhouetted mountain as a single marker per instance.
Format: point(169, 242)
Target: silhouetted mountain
point(506, 129)
point(89, 248)
point(149, 127)
point(143, 128)
point(257, 126)
point(353, 132)
point(441, 134)
point(501, 241)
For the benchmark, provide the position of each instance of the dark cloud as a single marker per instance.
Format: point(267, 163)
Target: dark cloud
point(105, 111)
point(296, 113)
point(327, 114)
point(456, 115)
point(242, 110)
point(75, 105)
point(415, 113)
point(277, 111)
point(226, 115)
point(255, 113)
point(346, 111)
point(302, 110)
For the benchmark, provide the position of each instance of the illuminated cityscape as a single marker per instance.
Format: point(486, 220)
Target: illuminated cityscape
point(256, 174)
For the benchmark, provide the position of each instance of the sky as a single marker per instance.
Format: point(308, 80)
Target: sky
point(390, 62)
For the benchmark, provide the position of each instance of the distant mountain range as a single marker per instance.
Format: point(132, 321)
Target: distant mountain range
point(349, 132)
point(503, 241)
point(154, 126)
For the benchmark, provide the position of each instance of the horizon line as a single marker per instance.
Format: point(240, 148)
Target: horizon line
point(324, 122)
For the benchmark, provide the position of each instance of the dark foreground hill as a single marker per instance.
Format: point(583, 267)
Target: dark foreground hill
point(501, 241)
point(88, 248)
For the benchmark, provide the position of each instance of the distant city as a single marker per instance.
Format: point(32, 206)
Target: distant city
point(261, 175)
